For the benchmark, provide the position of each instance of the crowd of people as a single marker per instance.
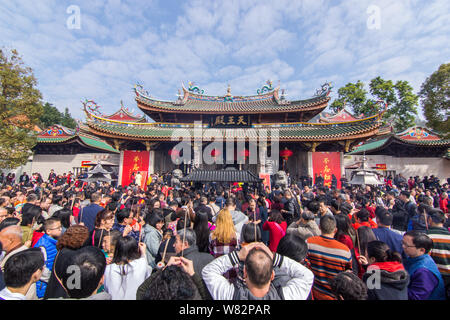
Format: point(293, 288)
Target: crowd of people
point(62, 238)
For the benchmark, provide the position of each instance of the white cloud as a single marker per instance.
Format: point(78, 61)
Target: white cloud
point(244, 43)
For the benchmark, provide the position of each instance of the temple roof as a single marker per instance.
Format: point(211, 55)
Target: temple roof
point(421, 139)
point(58, 134)
point(341, 116)
point(287, 132)
point(268, 100)
point(123, 114)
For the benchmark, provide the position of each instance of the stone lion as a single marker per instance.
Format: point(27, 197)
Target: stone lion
point(281, 179)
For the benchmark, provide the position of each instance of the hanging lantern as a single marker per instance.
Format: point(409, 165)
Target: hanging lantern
point(215, 153)
point(174, 152)
point(244, 153)
point(286, 153)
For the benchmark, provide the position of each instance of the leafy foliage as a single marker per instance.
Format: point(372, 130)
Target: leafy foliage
point(20, 109)
point(51, 115)
point(399, 96)
point(435, 100)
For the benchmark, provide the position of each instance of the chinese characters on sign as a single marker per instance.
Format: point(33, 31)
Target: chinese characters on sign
point(226, 121)
point(134, 162)
point(327, 164)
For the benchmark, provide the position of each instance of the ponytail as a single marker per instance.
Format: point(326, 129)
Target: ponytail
point(382, 253)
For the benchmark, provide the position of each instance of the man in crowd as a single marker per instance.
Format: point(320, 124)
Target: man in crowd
point(426, 282)
point(441, 245)
point(89, 213)
point(21, 272)
point(259, 262)
point(328, 257)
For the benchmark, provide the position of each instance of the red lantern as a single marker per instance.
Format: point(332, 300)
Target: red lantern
point(174, 152)
point(286, 153)
point(215, 153)
point(244, 153)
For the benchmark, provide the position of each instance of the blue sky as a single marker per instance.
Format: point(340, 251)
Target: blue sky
point(160, 44)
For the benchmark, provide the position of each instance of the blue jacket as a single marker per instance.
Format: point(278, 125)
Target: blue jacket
point(391, 238)
point(49, 245)
point(425, 261)
point(88, 215)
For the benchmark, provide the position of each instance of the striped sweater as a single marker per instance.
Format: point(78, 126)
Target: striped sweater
point(327, 258)
point(441, 249)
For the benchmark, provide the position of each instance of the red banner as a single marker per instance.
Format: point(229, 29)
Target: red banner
point(327, 164)
point(134, 162)
point(266, 181)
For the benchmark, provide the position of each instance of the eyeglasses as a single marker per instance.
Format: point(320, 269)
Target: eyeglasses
point(57, 228)
point(407, 246)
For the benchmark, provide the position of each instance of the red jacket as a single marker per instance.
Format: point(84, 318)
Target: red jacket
point(275, 233)
point(443, 203)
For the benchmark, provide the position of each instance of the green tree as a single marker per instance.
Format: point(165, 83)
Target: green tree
point(435, 100)
point(399, 97)
point(67, 120)
point(50, 116)
point(20, 109)
point(401, 101)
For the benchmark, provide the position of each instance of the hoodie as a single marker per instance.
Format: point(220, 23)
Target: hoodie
point(386, 281)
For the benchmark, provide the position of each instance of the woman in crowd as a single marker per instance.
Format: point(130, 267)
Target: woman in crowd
point(104, 222)
point(128, 270)
point(202, 231)
point(386, 278)
point(276, 227)
point(152, 235)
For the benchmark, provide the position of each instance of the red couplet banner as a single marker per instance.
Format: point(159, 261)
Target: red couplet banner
point(327, 164)
point(134, 162)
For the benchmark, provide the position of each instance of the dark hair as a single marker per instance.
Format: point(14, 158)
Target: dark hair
point(248, 233)
point(385, 218)
point(293, 246)
point(327, 224)
point(20, 267)
point(259, 267)
point(57, 199)
point(126, 250)
point(349, 286)
point(405, 193)
point(343, 225)
point(346, 208)
point(381, 252)
point(230, 202)
point(437, 216)
point(9, 222)
point(363, 215)
point(92, 264)
point(313, 206)
point(171, 283)
point(365, 235)
point(123, 214)
point(420, 240)
point(50, 222)
point(276, 216)
point(32, 212)
point(102, 215)
point(153, 218)
point(64, 217)
point(202, 231)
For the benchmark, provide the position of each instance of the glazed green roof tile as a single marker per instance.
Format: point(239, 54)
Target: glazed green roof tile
point(287, 132)
point(97, 144)
point(379, 144)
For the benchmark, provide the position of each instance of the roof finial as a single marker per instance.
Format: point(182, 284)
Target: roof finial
point(229, 91)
